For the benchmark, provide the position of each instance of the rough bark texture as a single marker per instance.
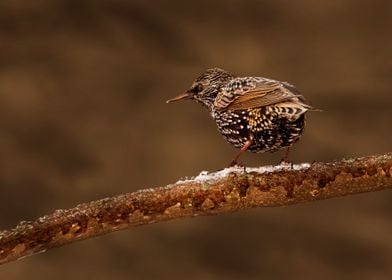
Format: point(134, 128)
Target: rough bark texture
point(228, 190)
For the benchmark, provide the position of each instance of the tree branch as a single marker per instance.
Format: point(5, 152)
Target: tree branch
point(228, 190)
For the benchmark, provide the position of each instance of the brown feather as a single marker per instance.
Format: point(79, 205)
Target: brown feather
point(226, 98)
point(263, 94)
point(255, 100)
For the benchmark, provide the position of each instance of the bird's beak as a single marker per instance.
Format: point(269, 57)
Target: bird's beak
point(185, 95)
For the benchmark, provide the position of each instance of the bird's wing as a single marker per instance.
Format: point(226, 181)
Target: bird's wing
point(256, 92)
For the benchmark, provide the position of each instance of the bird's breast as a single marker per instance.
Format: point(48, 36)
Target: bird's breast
point(270, 128)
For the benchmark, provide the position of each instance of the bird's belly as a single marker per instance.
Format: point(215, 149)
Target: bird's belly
point(270, 132)
point(283, 133)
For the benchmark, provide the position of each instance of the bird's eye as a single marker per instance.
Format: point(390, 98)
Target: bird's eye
point(199, 88)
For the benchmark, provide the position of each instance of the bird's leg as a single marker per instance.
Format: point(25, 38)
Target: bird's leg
point(285, 159)
point(286, 156)
point(243, 149)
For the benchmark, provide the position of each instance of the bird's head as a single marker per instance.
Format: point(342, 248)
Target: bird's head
point(205, 88)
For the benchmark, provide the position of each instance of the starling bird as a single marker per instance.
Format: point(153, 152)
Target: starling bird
point(252, 113)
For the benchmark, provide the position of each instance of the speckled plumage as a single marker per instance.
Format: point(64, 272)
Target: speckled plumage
point(252, 113)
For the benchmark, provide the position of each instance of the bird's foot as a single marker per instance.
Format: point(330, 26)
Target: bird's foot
point(234, 163)
point(285, 162)
point(237, 164)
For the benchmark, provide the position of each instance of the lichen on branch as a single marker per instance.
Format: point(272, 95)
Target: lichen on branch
point(231, 189)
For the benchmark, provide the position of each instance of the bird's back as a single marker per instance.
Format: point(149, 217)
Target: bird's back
point(270, 111)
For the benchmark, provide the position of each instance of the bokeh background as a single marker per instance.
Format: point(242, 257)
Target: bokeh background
point(83, 86)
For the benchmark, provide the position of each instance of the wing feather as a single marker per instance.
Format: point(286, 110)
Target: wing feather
point(247, 88)
point(254, 100)
point(258, 92)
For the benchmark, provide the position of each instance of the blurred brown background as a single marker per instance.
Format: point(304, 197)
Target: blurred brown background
point(82, 116)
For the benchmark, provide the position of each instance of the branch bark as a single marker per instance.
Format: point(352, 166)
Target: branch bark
point(228, 190)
